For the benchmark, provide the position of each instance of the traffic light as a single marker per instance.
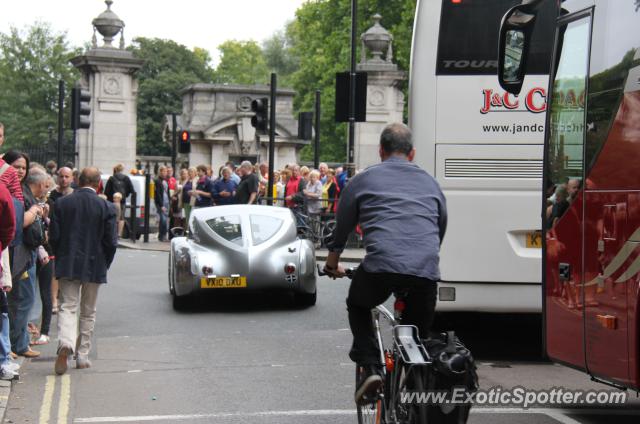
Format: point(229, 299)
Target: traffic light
point(305, 125)
point(184, 142)
point(80, 108)
point(260, 107)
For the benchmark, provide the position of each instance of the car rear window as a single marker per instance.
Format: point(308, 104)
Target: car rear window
point(227, 227)
point(263, 227)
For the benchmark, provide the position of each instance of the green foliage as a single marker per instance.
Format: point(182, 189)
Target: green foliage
point(31, 64)
point(320, 42)
point(277, 54)
point(169, 67)
point(241, 62)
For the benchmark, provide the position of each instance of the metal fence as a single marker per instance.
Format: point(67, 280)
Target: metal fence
point(45, 151)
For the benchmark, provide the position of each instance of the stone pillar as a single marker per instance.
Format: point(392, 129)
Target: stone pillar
point(385, 100)
point(109, 74)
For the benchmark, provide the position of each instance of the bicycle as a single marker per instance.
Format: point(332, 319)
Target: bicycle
point(405, 369)
point(314, 227)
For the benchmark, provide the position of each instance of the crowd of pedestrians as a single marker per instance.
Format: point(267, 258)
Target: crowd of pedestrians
point(44, 249)
point(315, 191)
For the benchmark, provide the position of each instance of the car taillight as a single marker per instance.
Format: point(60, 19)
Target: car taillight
point(141, 211)
point(399, 305)
point(289, 268)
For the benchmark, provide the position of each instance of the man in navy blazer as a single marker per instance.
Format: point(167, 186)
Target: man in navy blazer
point(84, 238)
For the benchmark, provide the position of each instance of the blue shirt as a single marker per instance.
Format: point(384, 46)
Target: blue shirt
point(221, 185)
point(206, 185)
point(402, 213)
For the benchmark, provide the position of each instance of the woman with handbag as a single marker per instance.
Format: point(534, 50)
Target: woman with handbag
point(22, 296)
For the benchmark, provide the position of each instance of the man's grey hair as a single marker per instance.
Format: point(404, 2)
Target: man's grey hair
point(36, 176)
point(246, 165)
point(396, 138)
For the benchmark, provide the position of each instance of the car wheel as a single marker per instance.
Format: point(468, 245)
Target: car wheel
point(305, 299)
point(180, 303)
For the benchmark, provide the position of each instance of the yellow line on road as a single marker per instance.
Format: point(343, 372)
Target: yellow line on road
point(47, 400)
point(65, 395)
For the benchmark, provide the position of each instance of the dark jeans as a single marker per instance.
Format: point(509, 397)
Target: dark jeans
point(45, 275)
point(369, 290)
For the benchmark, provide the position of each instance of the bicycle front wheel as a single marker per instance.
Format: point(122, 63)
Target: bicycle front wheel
point(370, 413)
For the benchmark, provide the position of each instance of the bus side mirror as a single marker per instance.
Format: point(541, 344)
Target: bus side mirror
point(515, 39)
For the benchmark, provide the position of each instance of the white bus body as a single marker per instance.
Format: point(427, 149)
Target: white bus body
point(485, 148)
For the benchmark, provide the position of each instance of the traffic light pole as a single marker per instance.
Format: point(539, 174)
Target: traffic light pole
point(272, 137)
point(60, 122)
point(316, 150)
point(352, 92)
point(174, 140)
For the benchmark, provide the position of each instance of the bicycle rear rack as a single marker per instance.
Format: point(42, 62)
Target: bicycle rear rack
point(409, 345)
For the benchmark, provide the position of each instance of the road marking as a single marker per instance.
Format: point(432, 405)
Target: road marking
point(557, 414)
point(65, 396)
point(47, 400)
point(319, 412)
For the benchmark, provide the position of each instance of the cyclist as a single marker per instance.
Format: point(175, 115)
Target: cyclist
point(402, 213)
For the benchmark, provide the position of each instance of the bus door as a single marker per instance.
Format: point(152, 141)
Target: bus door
point(587, 238)
point(564, 206)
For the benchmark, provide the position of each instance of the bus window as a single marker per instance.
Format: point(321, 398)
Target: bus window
point(469, 35)
point(567, 115)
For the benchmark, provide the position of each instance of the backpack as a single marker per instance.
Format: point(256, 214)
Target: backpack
point(119, 186)
point(453, 367)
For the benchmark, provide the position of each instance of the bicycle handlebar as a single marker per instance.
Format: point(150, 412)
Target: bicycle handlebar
point(349, 272)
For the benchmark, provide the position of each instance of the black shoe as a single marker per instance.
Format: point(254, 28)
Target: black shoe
point(370, 382)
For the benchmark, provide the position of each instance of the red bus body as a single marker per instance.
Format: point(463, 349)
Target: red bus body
point(591, 287)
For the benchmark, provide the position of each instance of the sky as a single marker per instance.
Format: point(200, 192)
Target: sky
point(194, 23)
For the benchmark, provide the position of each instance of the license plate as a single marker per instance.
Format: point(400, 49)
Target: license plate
point(223, 282)
point(534, 240)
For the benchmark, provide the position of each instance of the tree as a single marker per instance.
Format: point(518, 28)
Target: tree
point(320, 43)
point(279, 58)
point(241, 62)
point(31, 64)
point(169, 67)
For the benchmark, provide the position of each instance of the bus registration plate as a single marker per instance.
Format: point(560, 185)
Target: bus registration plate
point(223, 282)
point(534, 240)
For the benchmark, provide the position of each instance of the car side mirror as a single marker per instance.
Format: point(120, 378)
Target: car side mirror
point(515, 38)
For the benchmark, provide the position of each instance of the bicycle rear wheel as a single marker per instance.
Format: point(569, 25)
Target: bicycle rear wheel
point(407, 405)
point(370, 413)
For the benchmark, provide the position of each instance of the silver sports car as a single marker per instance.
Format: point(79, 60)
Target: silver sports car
point(242, 247)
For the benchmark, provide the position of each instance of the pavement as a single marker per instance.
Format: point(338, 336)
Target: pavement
point(349, 255)
point(5, 391)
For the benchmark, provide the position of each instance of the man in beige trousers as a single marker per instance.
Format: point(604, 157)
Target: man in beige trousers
point(83, 256)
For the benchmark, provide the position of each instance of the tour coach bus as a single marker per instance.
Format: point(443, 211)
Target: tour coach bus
point(591, 272)
point(484, 146)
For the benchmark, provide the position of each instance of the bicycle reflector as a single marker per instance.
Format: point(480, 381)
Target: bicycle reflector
point(289, 268)
point(399, 305)
point(388, 361)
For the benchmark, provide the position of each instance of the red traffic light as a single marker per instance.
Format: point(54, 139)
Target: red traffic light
point(184, 145)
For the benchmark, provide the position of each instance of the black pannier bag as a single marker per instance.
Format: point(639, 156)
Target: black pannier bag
point(454, 373)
